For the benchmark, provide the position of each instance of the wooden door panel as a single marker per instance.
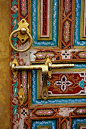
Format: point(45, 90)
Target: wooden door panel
point(56, 30)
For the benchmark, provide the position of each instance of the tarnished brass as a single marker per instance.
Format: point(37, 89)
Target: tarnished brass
point(21, 96)
point(46, 70)
point(23, 35)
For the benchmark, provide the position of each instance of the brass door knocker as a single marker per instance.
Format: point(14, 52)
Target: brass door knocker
point(23, 35)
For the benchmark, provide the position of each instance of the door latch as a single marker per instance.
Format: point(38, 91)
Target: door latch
point(46, 70)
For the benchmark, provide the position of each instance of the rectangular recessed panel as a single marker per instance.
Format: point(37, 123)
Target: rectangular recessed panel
point(44, 124)
point(79, 39)
point(64, 84)
point(36, 25)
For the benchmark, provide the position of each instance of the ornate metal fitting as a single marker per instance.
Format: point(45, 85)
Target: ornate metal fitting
point(23, 35)
point(49, 63)
point(46, 70)
point(21, 95)
point(15, 72)
point(23, 27)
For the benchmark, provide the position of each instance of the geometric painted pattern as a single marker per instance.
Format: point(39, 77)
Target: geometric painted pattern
point(63, 83)
point(83, 75)
point(37, 101)
point(42, 55)
point(66, 36)
point(66, 83)
point(66, 24)
point(19, 116)
point(58, 55)
point(44, 112)
point(80, 111)
point(82, 54)
point(66, 54)
point(23, 7)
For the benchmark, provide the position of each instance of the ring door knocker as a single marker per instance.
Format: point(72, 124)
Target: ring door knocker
point(23, 34)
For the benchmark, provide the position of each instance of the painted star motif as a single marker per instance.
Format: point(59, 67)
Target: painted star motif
point(63, 83)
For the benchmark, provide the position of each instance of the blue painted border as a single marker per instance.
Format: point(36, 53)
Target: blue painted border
point(51, 123)
point(54, 25)
point(77, 121)
point(79, 66)
point(77, 41)
point(50, 101)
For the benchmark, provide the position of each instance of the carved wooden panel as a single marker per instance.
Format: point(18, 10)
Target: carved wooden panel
point(55, 28)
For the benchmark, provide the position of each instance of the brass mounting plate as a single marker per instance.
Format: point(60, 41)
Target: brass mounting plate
point(23, 24)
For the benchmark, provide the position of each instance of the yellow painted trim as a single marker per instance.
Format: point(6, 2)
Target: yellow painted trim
point(81, 124)
point(63, 104)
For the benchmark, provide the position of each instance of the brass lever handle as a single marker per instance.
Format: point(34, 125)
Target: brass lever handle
point(45, 70)
point(23, 29)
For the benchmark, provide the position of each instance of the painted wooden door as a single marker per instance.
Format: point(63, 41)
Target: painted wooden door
point(58, 29)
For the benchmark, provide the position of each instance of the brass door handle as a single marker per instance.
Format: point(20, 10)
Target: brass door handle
point(23, 32)
point(46, 70)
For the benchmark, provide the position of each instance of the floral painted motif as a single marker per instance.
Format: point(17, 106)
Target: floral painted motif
point(63, 83)
point(80, 111)
point(44, 112)
point(14, 8)
point(66, 34)
point(66, 54)
point(24, 4)
point(24, 81)
point(42, 55)
point(14, 25)
point(82, 54)
point(20, 124)
point(67, 6)
point(64, 126)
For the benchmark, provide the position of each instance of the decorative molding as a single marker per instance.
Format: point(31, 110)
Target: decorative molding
point(48, 18)
point(64, 84)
